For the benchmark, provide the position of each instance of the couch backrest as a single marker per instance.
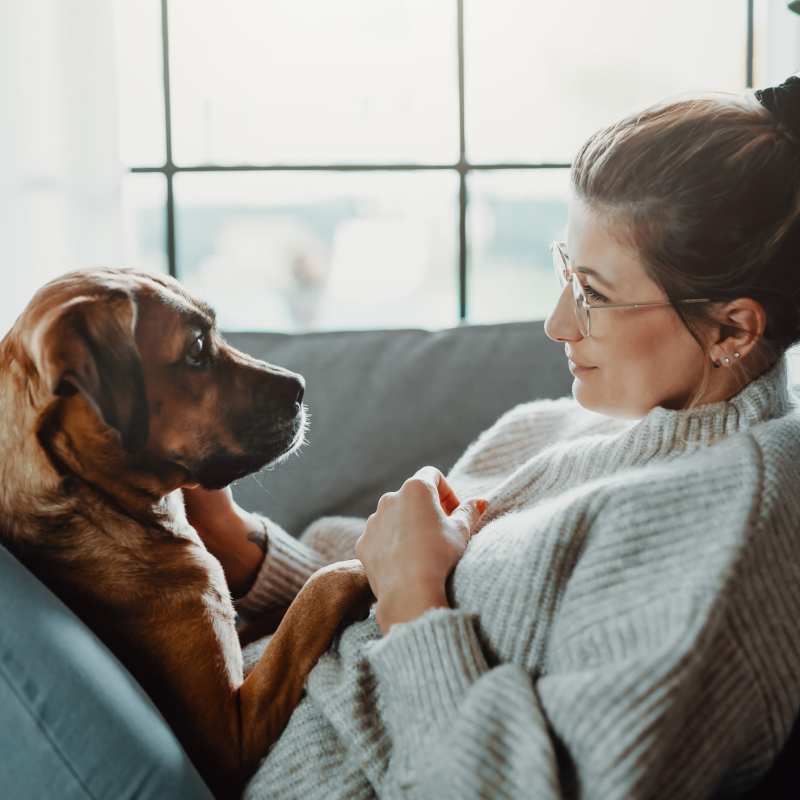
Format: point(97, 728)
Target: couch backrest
point(384, 403)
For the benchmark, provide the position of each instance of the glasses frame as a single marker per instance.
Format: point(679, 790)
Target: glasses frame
point(565, 274)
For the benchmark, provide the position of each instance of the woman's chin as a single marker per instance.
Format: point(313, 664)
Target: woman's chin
point(592, 400)
point(589, 397)
point(582, 394)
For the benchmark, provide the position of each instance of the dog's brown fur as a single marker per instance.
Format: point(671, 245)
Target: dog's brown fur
point(101, 421)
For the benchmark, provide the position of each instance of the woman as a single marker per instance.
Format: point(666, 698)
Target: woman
point(625, 623)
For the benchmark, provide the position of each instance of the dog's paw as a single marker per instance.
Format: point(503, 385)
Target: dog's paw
point(344, 583)
point(341, 571)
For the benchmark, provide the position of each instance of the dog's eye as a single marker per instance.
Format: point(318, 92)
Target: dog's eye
point(197, 354)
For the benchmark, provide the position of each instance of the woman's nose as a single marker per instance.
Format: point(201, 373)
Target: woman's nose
point(561, 324)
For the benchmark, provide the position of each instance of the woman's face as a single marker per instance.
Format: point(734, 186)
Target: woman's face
point(635, 359)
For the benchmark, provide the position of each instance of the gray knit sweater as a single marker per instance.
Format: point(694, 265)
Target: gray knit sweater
point(625, 625)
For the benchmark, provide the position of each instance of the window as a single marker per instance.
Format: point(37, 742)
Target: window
point(307, 165)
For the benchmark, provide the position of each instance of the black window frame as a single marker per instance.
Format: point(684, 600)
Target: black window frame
point(463, 166)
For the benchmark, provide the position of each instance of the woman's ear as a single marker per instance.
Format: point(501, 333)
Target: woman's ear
point(741, 325)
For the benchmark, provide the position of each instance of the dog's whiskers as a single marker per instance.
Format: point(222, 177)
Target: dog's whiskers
point(255, 478)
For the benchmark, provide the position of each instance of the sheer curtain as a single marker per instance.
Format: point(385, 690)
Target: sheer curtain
point(60, 172)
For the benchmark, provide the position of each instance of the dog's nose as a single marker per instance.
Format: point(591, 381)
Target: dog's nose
point(280, 390)
point(294, 389)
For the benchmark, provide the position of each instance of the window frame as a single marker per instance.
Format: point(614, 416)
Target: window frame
point(463, 166)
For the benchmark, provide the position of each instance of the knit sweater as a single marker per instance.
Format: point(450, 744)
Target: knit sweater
point(625, 623)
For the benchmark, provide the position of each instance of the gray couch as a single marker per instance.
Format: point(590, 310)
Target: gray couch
point(384, 403)
point(74, 723)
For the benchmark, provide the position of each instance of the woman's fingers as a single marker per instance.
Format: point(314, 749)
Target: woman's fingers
point(433, 477)
point(469, 513)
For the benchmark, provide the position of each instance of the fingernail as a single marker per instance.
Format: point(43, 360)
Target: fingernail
point(482, 505)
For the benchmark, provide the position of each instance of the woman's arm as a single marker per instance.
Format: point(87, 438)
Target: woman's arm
point(657, 705)
point(673, 722)
point(231, 534)
point(264, 565)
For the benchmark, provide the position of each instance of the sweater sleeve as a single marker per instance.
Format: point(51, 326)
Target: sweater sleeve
point(289, 562)
point(664, 724)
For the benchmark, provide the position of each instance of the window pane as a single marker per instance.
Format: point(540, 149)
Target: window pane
point(513, 217)
point(290, 81)
point(309, 250)
point(137, 44)
point(541, 77)
point(776, 42)
point(143, 203)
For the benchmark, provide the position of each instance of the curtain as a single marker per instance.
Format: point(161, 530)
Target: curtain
point(60, 172)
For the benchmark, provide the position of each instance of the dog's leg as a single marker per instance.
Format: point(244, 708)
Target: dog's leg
point(228, 724)
point(265, 624)
point(270, 693)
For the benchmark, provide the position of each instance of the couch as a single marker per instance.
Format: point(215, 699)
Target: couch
point(75, 724)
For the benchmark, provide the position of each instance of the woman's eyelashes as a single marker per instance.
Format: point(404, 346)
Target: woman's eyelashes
point(594, 295)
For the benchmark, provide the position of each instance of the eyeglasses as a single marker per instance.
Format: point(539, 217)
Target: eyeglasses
point(583, 308)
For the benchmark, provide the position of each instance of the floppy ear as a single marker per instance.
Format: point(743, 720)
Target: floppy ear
point(88, 345)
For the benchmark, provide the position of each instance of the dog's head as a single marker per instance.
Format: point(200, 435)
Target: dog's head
point(128, 372)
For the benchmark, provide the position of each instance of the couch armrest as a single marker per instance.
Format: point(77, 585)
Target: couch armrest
point(73, 721)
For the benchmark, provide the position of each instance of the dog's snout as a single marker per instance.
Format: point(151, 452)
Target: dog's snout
point(268, 420)
point(285, 390)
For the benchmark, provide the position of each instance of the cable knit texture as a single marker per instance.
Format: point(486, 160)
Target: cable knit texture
point(624, 624)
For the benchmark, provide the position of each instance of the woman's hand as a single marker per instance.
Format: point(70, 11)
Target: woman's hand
point(225, 529)
point(211, 512)
point(411, 544)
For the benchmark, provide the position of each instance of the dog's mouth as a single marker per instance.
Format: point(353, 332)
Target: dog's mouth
point(223, 467)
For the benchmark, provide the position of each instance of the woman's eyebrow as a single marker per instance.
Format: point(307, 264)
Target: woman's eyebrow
point(596, 275)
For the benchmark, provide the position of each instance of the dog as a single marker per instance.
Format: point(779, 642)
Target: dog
point(116, 391)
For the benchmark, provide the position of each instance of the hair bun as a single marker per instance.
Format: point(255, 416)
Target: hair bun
point(784, 103)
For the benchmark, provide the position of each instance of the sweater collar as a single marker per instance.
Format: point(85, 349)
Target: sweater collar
point(767, 397)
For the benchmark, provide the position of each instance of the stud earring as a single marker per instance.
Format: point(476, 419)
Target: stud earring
point(737, 354)
point(726, 361)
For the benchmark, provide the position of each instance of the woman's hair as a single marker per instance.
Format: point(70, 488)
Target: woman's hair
point(707, 191)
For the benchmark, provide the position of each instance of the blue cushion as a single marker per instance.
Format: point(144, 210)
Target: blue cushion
point(73, 721)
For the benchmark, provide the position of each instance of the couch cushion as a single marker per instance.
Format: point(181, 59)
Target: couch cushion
point(384, 403)
point(73, 722)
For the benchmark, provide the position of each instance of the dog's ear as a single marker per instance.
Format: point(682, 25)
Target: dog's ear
point(88, 345)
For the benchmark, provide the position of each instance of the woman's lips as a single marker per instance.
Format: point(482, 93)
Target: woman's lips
point(578, 369)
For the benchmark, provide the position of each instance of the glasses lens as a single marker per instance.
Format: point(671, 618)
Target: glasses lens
point(581, 309)
point(562, 273)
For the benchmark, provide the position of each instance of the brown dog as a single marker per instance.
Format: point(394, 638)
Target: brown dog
point(116, 390)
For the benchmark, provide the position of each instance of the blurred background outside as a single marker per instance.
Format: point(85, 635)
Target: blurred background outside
point(320, 154)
